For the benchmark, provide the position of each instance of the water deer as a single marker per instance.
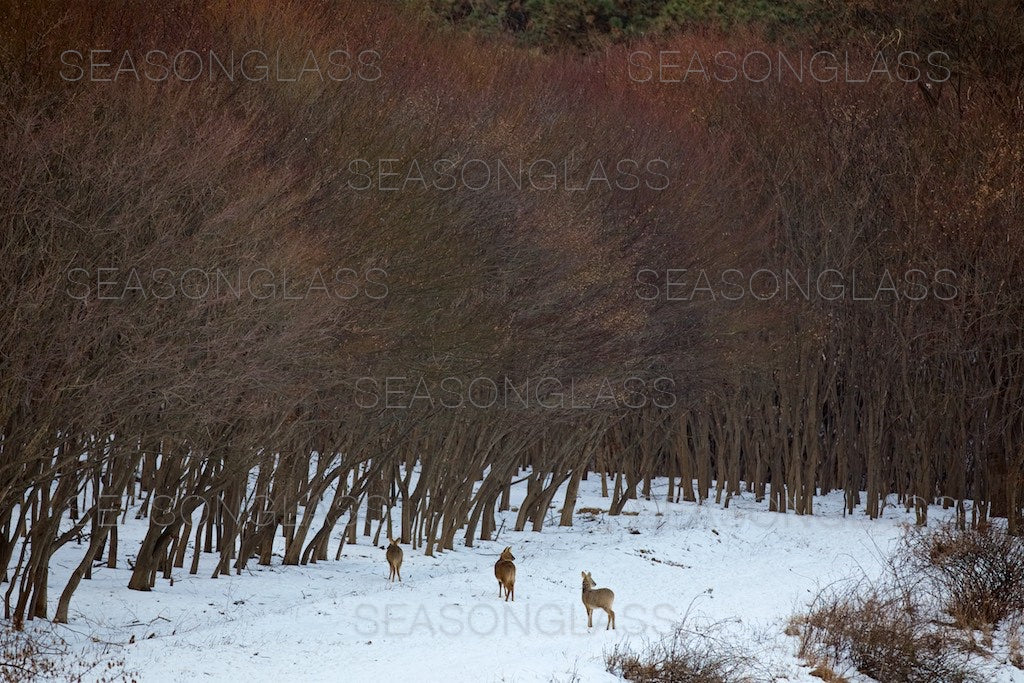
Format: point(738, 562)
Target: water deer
point(597, 597)
point(394, 555)
point(505, 572)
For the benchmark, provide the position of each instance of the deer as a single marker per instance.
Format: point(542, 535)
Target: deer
point(394, 555)
point(505, 572)
point(597, 597)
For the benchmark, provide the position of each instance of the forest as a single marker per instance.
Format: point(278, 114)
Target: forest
point(278, 269)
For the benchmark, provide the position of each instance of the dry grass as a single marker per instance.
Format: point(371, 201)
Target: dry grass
point(691, 654)
point(882, 632)
point(42, 656)
point(1013, 631)
point(826, 674)
point(946, 593)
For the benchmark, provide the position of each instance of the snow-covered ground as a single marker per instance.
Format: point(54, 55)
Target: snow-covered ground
point(745, 567)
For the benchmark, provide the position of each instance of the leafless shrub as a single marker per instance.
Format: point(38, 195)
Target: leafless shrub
point(883, 632)
point(977, 575)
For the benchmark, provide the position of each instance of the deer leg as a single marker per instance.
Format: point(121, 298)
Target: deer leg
point(590, 618)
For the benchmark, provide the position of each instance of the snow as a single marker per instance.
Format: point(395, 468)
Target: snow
point(744, 567)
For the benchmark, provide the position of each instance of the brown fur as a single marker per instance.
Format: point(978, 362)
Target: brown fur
point(394, 555)
point(597, 597)
point(505, 572)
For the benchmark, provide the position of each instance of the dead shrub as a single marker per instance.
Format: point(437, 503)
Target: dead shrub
point(897, 629)
point(884, 633)
point(977, 575)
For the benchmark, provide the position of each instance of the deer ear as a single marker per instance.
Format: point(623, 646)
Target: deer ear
point(583, 574)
